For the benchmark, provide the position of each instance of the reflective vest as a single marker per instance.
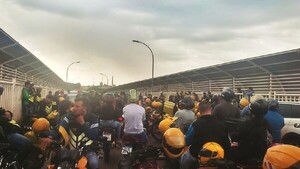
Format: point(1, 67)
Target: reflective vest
point(53, 103)
point(38, 99)
point(31, 99)
point(48, 109)
point(77, 139)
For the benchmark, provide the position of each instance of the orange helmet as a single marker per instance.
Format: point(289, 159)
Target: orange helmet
point(40, 125)
point(173, 143)
point(243, 103)
point(164, 125)
point(211, 150)
point(156, 104)
point(282, 156)
point(148, 101)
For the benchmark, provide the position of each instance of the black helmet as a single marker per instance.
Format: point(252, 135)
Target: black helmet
point(273, 104)
point(108, 97)
point(186, 103)
point(227, 94)
point(259, 108)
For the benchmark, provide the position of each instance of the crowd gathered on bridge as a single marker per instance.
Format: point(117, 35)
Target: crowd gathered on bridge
point(192, 130)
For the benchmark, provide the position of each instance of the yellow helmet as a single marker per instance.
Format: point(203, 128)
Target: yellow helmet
point(40, 125)
point(282, 156)
point(243, 103)
point(60, 99)
point(164, 125)
point(211, 150)
point(173, 143)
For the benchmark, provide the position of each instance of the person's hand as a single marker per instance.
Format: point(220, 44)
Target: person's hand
point(80, 119)
point(45, 142)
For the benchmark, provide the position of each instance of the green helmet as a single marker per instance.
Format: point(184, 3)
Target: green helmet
point(132, 95)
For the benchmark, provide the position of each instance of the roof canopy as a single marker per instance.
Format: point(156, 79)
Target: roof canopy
point(15, 56)
point(287, 62)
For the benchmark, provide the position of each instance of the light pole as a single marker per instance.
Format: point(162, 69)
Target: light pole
point(68, 70)
point(136, 41)
point(106, 78)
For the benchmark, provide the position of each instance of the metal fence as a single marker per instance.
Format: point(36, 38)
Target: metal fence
point(13, 82)
point(7, 74)
point(283, 87)
point(11, 97)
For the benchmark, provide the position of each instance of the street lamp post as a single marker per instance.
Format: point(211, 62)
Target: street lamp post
point(106, 78)
point(136, 41)
point(68, 70)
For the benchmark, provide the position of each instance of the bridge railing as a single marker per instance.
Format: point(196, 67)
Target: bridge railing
point(13, 82)
point(287, 97)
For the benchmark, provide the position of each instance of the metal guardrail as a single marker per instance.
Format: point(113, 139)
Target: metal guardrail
point(287, 97)
point(11, 97)
point(8, 74)
point(283, 87)
point(275, 85)
point(13, 81)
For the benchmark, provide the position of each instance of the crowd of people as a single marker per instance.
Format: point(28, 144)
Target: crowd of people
point(202, 120)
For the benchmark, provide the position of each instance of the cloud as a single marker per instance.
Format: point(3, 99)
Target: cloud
point(183, 35)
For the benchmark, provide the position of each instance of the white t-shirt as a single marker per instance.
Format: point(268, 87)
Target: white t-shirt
point(134, 115)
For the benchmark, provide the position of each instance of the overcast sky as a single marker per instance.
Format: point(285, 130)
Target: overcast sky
point(183, 34)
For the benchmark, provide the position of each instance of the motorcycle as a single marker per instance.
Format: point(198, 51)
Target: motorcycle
point(130, 143)
point(109, 133)
point(59, 157)
point(8, 158)
point(13, 158)
point(153, 122)
point(142, 158)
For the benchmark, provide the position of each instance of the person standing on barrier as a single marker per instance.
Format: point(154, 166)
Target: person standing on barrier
point(134, 115)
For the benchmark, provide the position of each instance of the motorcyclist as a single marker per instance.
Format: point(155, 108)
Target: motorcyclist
point(205, 129)
point(10, 132)
point(185, 116)
point(252, 135)
point(108, 114)
point(225, 110)
point(134, 115)
point(275, 120)
point(81, 129)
